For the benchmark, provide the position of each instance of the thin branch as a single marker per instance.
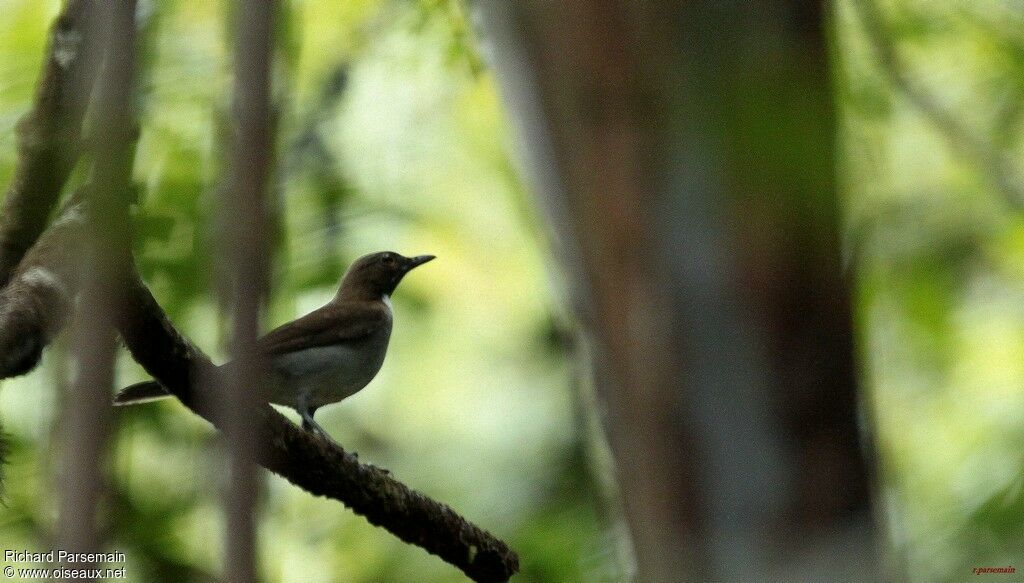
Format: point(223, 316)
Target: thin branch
point(48, 135)
point(961, 138)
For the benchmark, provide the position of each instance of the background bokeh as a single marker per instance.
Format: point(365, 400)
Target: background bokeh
point(933, 161)
point(390, 137)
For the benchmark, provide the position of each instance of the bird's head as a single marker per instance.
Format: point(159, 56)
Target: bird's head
point(378, 274)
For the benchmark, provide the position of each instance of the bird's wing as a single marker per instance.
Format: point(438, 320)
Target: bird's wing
point(327, 326)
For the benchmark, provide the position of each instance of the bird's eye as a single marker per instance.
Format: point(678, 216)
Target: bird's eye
point(388, 260)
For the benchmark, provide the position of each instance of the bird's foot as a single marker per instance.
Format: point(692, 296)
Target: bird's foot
point(313, 427)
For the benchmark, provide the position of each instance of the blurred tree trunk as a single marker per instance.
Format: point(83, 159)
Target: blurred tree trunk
point(244, 245)
point(88, 416)
point(683, 153)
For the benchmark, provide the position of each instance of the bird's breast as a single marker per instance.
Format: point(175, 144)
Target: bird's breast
point(328, 374)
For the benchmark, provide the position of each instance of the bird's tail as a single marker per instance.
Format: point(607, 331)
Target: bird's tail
point(141, 393)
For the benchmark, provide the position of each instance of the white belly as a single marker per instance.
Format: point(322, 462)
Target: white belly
point(327, 374)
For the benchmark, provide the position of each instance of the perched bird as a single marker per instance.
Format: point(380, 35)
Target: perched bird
point(330, 353)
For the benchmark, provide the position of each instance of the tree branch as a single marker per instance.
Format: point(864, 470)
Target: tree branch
point(48, 135)
point(311, 463)
point(36, 306)
point(37, 302)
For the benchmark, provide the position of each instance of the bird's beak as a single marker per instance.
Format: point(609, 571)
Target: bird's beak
point(417, 261)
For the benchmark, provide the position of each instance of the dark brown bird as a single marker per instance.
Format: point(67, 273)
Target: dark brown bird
point(330, 353)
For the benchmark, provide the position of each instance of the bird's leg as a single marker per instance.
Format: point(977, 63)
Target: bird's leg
point(308, 423)
point(306, 411)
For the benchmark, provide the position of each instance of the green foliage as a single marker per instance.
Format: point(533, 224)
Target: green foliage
point(938, 244)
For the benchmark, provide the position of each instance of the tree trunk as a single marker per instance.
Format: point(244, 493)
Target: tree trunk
point(683, 154)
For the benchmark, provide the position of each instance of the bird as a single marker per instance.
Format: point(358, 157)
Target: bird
point(330, 353)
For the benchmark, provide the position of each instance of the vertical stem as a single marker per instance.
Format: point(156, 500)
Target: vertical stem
point(246, 246)
point(88, 412)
